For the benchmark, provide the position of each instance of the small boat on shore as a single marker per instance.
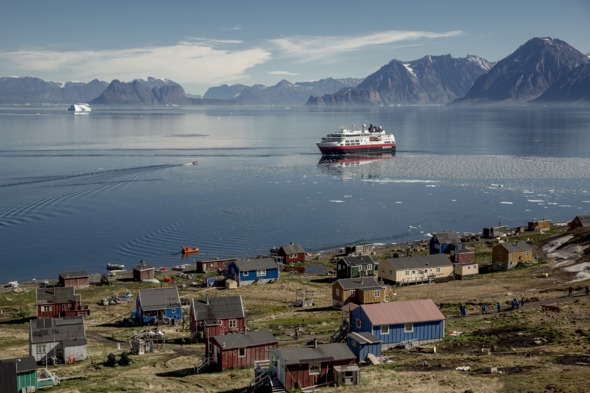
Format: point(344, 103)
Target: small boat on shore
point(115, 266)
point(189, 250)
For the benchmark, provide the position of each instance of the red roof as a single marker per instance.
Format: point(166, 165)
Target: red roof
point(394, 313)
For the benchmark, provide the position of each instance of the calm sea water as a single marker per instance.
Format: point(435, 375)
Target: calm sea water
point(119, 185)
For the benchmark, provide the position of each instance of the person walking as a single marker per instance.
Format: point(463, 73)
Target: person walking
point(570, 291)
point(499, 306)
point(484, 309)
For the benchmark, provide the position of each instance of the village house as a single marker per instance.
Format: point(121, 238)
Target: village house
point(494, 232)
point(506, 256)
point(18, 375)
point(360, 290)
point(52, 302)
point(464, 271)
point(253, 271)
point(418, 269)
point(305, 367)
point(213, 265)
point(445, 242)
point(539, 226)
point(462, 256)
point(580, 222)
point(351, 267)
point(412, 322)
point(158, 305)
point(143, 272)
point(79, 279)
point(241, 350)
point(214, 316)
point(61, 339)
point(361, 249)
point(364, 343)
point(291, 253)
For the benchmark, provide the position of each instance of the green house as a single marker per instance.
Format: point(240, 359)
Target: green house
point(19, 374)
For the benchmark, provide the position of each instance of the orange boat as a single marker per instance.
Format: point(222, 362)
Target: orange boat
point(189, 250)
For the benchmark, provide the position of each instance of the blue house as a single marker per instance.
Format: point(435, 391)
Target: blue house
point(362, 344)
point(253, 271)
point(412, 322)
point(158, 305)
point(445, 242)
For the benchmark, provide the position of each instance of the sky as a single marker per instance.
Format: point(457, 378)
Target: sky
point(201, 44)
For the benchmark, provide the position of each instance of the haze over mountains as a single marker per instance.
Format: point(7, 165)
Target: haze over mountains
point(541, 70)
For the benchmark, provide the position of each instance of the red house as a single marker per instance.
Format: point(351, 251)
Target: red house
point(292, 253)
point(299, 368)
point(241, 350)
point(74, 279)
point(216, 316)
point(214, 264)
point(54, 302)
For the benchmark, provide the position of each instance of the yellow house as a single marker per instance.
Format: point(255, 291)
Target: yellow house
point(506, 256)
point(464, 271)
point(359, 290)
point(539, 226)
point(418, 269)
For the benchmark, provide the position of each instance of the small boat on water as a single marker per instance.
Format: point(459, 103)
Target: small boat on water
point(372, 139)
point(189, 250)
point(115, 266)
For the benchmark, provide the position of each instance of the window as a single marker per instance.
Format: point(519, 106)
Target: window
point(438, 269)
point(352, 292)
point(232, 323)
point(261, 273)
point(384, 329)
point(314, 368)
point(241, 352)
point(408, 327)
point(46, 308)
point(41, 349)
point(377, 293)
point(358, 323)
point(407, 272)
point(64, 306)
point(369, 268)
point(337, 291)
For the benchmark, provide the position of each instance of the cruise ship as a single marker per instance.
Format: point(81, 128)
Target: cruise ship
point(372, 139)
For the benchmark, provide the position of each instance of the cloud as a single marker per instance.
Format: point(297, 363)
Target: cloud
point(286, 73)
point(195, 61)
point(327, 49)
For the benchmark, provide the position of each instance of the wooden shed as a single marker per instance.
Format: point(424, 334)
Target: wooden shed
point(18, 375)
point(143, 272)
point(364, 343)
point(213, 265)
point(465, 271)
point(241, 349)
point(539, 225)
point(78, 279)
point(580, 222)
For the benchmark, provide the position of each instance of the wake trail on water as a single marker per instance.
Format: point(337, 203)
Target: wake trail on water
point(56, 205)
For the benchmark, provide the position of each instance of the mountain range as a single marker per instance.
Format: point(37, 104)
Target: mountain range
point(541, 70)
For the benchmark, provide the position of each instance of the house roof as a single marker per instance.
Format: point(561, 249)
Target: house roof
point(292, 248)
point(395, 313)
point(419, 262)
point(214, 308)
point(364, 338)
point(69, 330)
point(516, 246)
point(245, 265)
point(158, 298)
point(584, 220)
point(321, 353)
point(79, 274)
point(25, 364)
point(56, 295)
point(361, 260)
point(245, 340)
point(447, 237)
point(358, 283)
